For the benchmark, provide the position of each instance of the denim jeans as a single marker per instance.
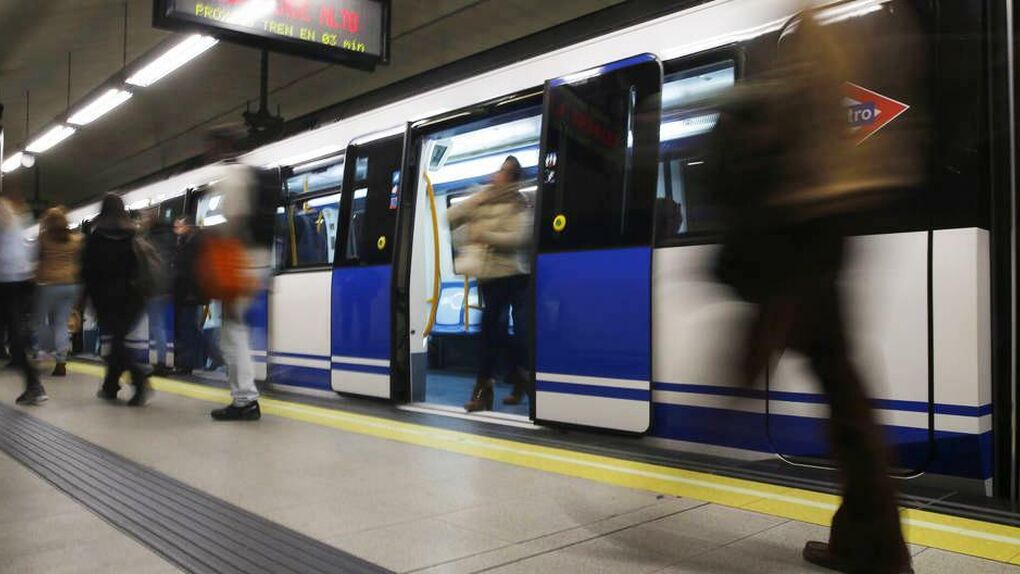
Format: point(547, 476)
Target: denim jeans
point(53, 304)
point(156, 311)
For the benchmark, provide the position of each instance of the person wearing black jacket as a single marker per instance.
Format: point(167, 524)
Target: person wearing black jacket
point(188, 299)
point(110, 271)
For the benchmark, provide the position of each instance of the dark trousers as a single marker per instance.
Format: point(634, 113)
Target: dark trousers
point(15, 302)
point(188, 337)
point(119, 360)
point(503, 296)
point(866, 532)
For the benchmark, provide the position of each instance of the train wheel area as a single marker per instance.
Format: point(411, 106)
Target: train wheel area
point(370, 488)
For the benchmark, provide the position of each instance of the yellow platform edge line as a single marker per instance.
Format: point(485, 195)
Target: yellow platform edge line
point(962, 535)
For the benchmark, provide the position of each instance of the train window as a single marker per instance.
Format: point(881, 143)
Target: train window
point(306, 231)
point(210, 210)
point(371, 204)
point(684, 205)
point(306, 227)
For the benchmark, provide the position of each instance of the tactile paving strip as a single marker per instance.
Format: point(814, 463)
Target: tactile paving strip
point(193, 530)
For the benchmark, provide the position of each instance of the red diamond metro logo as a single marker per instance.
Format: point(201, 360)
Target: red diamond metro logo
point(868, 111)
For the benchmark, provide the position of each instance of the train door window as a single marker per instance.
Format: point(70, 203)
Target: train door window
point(684, 205)
point(306, 227)
point(590, 145)
point(370, 204)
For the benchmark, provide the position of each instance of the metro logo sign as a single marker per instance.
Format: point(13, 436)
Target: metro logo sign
point(868, 111)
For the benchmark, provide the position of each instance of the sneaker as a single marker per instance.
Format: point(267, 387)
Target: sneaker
point(249, 412)
point(142, 396)
point(60, 370)
point(107, 394)
point(33, 396)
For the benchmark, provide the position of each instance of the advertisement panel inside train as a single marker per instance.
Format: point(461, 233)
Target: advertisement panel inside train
point(353, 32)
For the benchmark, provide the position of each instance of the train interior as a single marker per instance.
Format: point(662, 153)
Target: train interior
point(457, 163)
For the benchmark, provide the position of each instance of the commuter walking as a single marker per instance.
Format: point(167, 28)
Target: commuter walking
point(57, 288)
point(113, 275)
point(789, 178)
point(239, 254)
point(495, 225)
point(15, 295)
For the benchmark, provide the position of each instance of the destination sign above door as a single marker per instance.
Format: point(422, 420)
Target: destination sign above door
point(350, 32)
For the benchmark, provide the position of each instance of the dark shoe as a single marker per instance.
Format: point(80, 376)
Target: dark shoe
point(818, 553)
point(35, 395)
point(249, 412)
point(60, 370)
point(161, 370)
point(481, 397)
point(143, 393)
point(183, 371)
point(519, 379)
point(107, 393)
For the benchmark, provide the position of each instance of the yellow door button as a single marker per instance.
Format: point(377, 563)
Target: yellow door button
point(381, 244)
point(559, 223)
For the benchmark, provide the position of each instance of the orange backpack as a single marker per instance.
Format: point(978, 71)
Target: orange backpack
point(222, 269)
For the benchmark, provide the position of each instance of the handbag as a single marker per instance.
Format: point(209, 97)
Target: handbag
point(222, 269)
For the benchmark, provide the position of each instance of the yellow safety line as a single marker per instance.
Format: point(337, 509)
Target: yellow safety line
point(962, 535)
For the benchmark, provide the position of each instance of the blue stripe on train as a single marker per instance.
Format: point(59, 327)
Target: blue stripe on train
point(373, 369)
point(814, 398)
point(594, 391)
point(300, 377)
point(957, 454)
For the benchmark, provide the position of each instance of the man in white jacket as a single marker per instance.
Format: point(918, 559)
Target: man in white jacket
point(237, 185)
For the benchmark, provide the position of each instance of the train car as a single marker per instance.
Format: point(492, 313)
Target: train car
point(631, 331)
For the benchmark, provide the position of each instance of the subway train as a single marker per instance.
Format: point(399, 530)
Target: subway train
point(631, 331)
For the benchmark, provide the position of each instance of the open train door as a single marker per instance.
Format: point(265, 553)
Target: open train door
point(363, 266)
point(594, 218)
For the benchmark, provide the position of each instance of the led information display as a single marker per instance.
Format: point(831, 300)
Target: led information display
point(351, 32)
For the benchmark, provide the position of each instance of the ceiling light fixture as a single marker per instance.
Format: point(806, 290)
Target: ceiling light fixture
point(12, 163)
point(192, 47)
point(50, 138)
point(99, 107)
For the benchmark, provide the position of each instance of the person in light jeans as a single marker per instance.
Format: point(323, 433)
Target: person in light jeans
point(57, 289)
point(238, 186)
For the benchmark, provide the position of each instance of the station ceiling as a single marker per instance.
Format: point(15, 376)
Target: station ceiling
point(163, 125)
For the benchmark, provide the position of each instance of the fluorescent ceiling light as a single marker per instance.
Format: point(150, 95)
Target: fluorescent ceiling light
point(51, 138)
point(12, 163)
point(482, 167)
point(182, 53)
point(329, 200)
point(687, 127)
point(214, 220)
point(99, 107)
point(848, 10)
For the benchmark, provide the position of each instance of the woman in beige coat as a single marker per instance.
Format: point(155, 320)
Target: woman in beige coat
point(496, 224)
point(56, 278)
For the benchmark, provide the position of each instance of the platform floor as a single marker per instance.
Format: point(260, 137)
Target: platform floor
point(402, 506)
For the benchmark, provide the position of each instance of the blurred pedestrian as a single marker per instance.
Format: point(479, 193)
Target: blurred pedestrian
point(789, 177)
point(112, 274)
point(242, 263)
point(15, 294)
point(161, 237)
point(57, 289)
point(188, 299)
point(495, 248)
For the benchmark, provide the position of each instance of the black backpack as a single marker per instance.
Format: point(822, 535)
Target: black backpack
point(268, 198)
